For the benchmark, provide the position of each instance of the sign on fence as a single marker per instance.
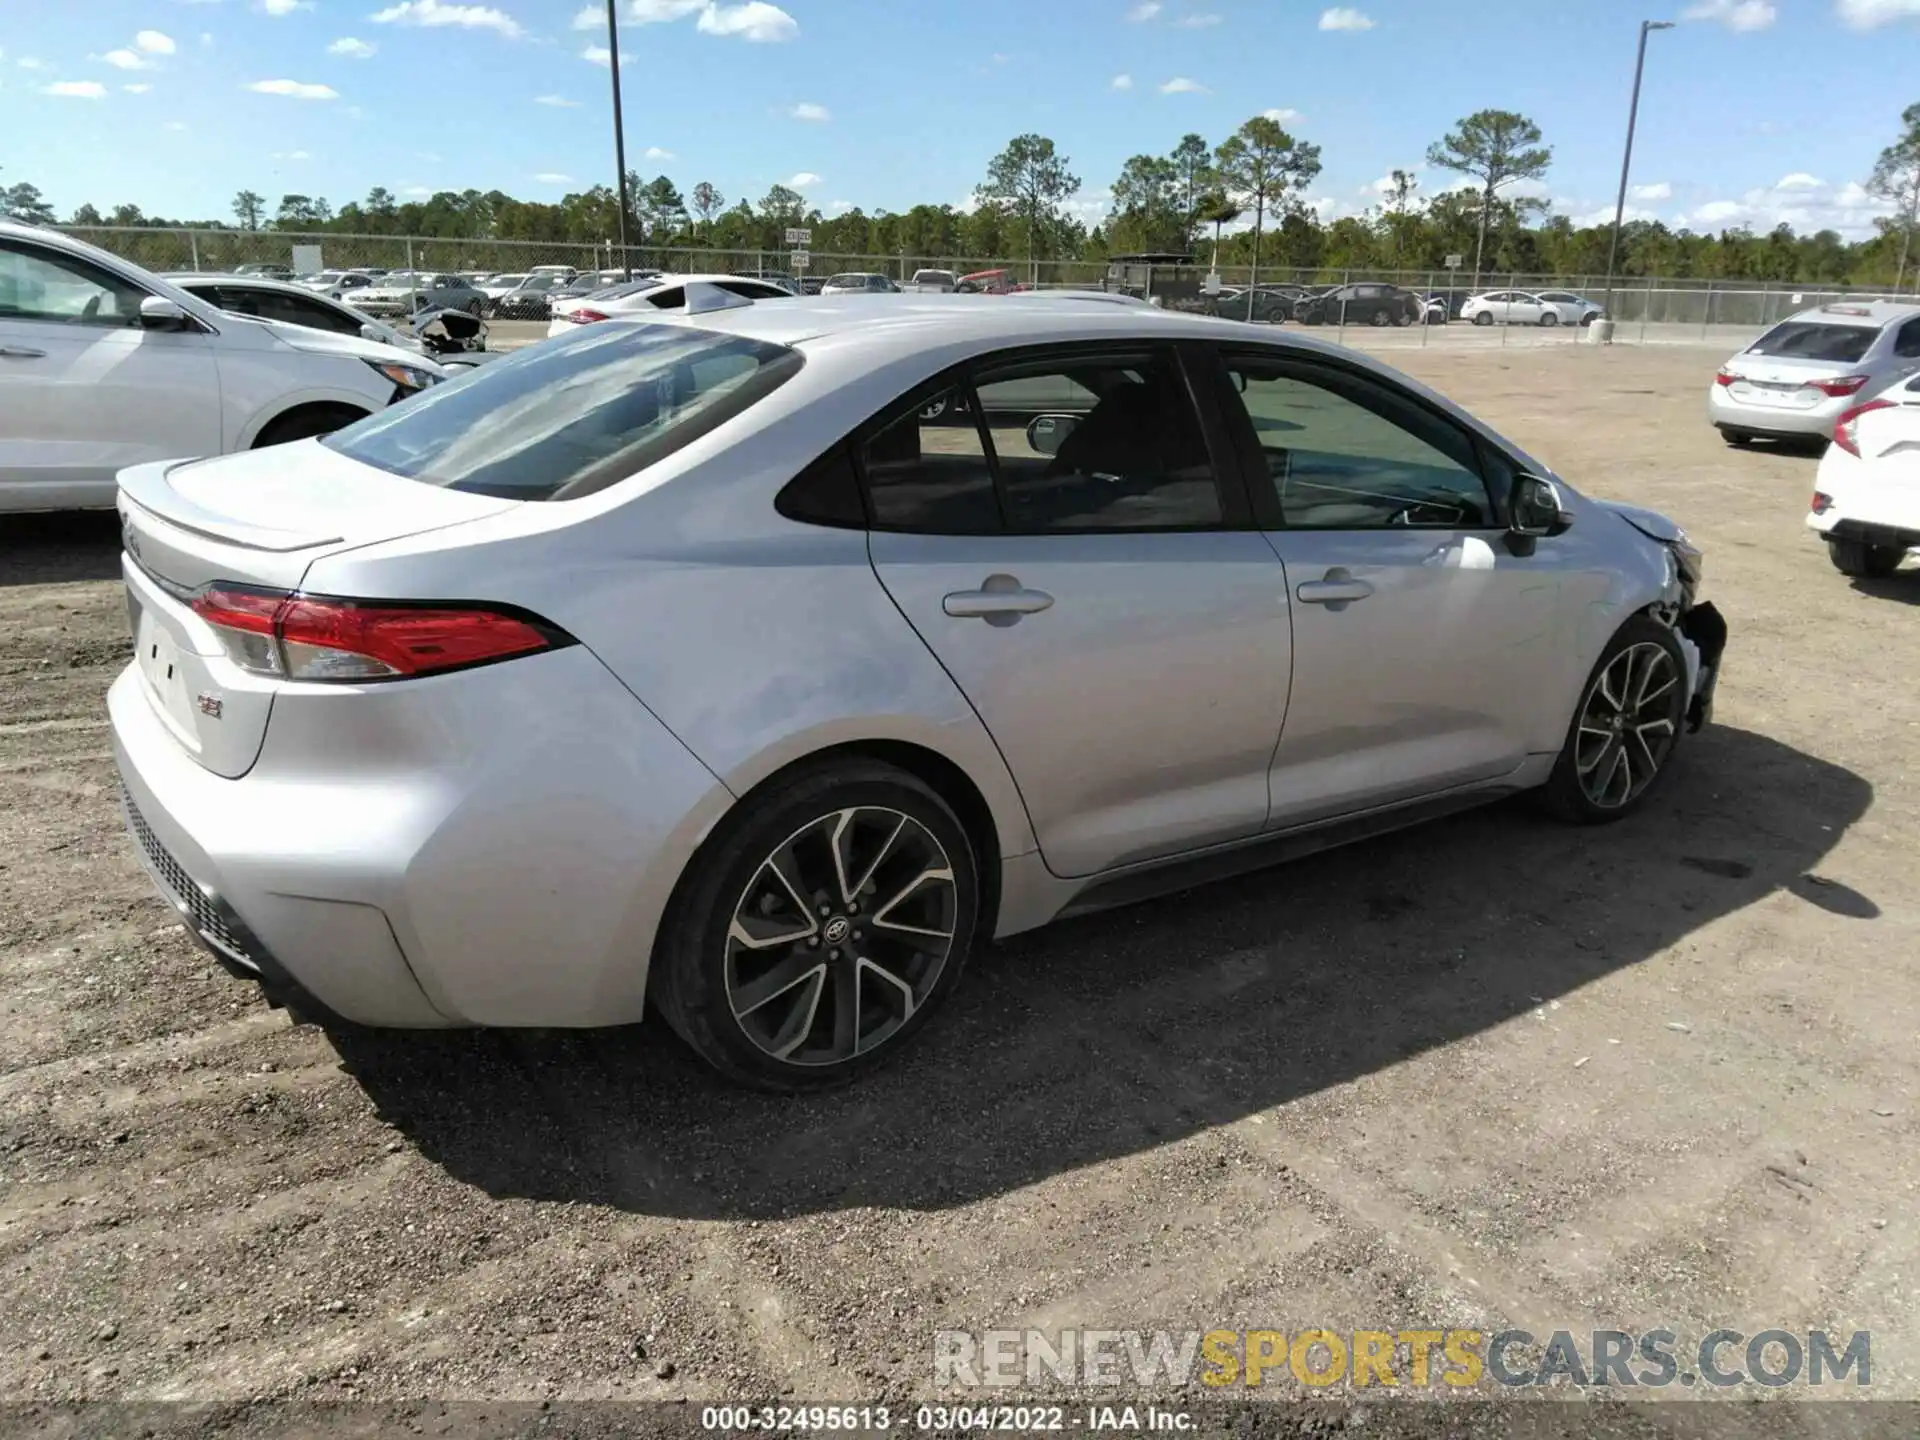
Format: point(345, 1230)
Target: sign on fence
point(801, 259)
point(306, 260)
point(1453, 261)
point(802, 238)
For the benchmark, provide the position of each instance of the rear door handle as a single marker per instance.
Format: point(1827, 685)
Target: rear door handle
point(21, 352)
point(1002, 600)
point(1336, 589)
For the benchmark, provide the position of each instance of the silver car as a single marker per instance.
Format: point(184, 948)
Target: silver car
point(706, 663)
point(1799, 378)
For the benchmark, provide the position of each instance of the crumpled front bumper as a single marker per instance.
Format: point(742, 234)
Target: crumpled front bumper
point(1706, 628)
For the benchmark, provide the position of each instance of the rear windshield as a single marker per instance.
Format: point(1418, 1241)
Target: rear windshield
point(1805, 340)
point(571, 415)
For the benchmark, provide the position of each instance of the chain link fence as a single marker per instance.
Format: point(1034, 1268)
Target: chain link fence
point(1660, 309)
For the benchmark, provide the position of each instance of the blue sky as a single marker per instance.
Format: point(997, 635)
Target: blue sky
point(1754, 110)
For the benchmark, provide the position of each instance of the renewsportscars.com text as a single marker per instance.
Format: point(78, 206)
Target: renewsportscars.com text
point(1416, 1359)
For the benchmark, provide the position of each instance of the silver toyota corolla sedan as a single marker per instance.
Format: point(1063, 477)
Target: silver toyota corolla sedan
point(1798, 379)
point(707, 663)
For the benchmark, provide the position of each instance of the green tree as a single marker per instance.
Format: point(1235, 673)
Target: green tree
point(1193, 162)
point(1148, 206)
point(662, 207)
point(1896, 177)
point(24, 202)
point(1261, 165)
point(249, 209)
point(1397, 215)
point(707, 203)
point(1497, 148)
point(87, 215)
point(1030, 181)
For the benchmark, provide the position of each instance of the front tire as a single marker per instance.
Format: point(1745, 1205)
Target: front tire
point(1624, 729)
point(1379, 319)
point(819, 928)
point(1549, 317)
point(1856, 557)
point(1485, 317)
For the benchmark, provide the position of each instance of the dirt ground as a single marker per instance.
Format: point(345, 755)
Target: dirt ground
point(1491, 1073)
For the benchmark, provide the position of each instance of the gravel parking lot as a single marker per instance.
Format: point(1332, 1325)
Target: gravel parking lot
point(1489, 1073)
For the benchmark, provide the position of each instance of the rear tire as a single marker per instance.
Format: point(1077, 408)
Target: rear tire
point(1549, 317)
point(774, 993)
point(1379, 319)
point(1485, 317)
point(1625, 727)
point(1856, 557)
point(1739, 439)
point(305, 423)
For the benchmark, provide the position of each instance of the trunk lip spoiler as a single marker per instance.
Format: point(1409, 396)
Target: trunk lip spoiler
point(143, 485)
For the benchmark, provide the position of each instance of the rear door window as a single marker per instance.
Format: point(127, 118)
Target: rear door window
point(1811, 340)
point(571, 415)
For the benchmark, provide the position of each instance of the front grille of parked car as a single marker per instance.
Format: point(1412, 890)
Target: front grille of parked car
point(203, 912)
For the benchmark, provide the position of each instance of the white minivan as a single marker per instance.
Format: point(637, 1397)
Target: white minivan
point(103, 365)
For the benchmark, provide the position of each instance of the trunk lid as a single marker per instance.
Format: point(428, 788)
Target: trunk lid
point(258, 518)
point(1782, 380)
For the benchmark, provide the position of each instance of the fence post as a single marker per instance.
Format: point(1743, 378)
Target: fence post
point(193, 243)
point(1425, 323)
point(1706, 321)
point(1346, 279)
point(1645, 310)
point(1506, 321)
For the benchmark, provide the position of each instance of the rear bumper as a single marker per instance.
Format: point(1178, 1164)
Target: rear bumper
point(1773, 420)
point(1867, 533)
point(494, 847)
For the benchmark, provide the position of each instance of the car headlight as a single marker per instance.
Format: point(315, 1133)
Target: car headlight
point(1692, 563)
point(408, 378)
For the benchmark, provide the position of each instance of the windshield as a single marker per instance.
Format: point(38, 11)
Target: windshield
point(620, 292)
point(580, 412)
point(508, 280)
point(1806, 340)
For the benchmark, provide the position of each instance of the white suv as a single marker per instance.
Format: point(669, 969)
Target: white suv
point(103, 365)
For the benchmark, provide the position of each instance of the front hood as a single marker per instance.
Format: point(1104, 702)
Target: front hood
point(1650, 523)
point(326, 342)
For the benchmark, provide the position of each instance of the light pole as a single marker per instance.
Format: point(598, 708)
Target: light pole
point(619, 130)
point(1626, 160)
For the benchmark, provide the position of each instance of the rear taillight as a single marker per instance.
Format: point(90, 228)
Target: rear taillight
point(583, 316)
point(1725, 377)
point(314, 637)
point(1844, 385)
point(1821, 503)
point(1846, 433)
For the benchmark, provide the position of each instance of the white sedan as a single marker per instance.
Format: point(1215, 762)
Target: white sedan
point(1866, 497)
point(1526, 307)
point(654, 292)
point(104, 365)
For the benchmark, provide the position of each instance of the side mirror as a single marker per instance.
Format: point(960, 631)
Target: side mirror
point(159, 313)
point(1047, 433)
point(372, 332)
point(1535, 512)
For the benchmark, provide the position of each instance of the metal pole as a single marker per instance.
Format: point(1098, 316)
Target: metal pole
point(1426, 323)
point(1626, 159)
point(193, 242)
point(1707, 322)
point(619, 132)
point(1646, 310)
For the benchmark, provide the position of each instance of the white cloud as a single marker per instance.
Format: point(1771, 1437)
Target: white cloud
point(1143, 12)
point(1197, 22)
point(1345, 17)
point(840, 207)
point(1181, 85)
point(291, 155)
point(284, 7)
point(29, 62)
point(1734, 14)
point(294, 89)
point(127, 60)
point(75, 89)
point(438, 14)
point(590, 18)
point(206, 40)
point(353, 49)
point(660, 12)
point(1659, 190)
point(176, 124)
point(1872, 14)
point(654, 152)
point(1282, 116)
point(804, 179)
point(154, 43)
point(552, 177)
point(600, 55)
point(807, 110)
point(1848, 208)
point(755, 20)
point(419, 190)
point(1122, 82)
point(136, 89)
point(559, 102)
point(1604, 216)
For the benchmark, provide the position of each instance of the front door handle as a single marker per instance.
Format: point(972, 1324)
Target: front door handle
point(21, 352)
point(1001, 600)
point(1339, 586)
